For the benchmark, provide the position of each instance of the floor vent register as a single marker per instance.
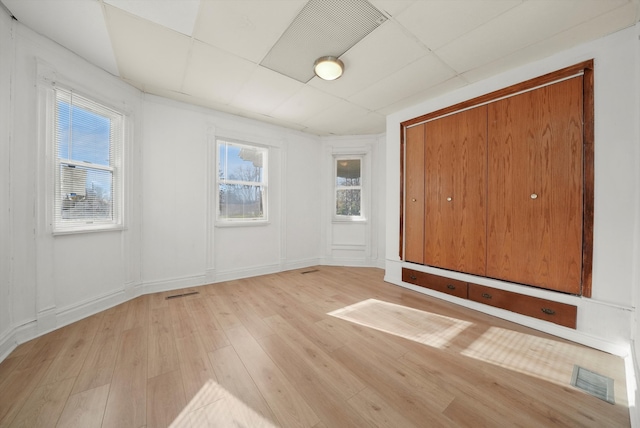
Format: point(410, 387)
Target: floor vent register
point(593, 383)
point(191, 293)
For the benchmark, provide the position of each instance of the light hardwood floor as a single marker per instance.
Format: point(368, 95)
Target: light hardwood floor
point(333, 347)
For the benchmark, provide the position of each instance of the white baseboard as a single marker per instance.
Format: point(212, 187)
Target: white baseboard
point(88, 307)
point(299, 264)
point(47, 320)
point(351, 262)
point(230, 275)
point(8, 343)
point(169, 284)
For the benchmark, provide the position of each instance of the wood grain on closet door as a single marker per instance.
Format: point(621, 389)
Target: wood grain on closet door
point(455, 191)
point(414, 196)
point(535, 187)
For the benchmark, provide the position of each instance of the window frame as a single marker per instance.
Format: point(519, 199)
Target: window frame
point(221, 221)
point(348, 218)
point(117, 141)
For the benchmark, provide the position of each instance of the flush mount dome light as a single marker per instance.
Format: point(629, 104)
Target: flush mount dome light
point(328, 67)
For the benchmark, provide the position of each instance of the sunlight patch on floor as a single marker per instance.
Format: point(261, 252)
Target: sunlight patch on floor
point(536, 356)
point(413, 324)
point(226, 411)
point(546, 359)
point(543, 358)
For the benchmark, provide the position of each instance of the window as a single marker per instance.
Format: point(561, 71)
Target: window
point(88, 142)
point(348, 188)
point(242, 182)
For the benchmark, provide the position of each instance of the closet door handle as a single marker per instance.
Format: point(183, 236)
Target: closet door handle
point(534, 196)
point(413, 199)
point(548, 311)
point(449, 199)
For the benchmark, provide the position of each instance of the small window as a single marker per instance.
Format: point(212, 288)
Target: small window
point(242, 182)
point(88, 141)
point(348, 188)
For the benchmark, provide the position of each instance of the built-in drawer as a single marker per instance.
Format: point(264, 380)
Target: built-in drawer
point(548, 310)
point(435, 282)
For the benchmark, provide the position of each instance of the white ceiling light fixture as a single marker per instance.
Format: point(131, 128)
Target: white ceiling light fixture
point(328, 67)
point(323, 27)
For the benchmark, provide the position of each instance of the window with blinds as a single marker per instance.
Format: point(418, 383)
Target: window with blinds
point(242, 182)
point(88, 141)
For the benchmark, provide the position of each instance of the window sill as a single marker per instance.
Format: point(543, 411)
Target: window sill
point(242, 223)
point(81, 230)
point(359, 220)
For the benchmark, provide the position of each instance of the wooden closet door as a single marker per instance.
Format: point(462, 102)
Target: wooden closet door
point(455, 191)
point(414, 195)
point(535, 187)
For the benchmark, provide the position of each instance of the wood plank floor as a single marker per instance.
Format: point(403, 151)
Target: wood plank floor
point(318, 347)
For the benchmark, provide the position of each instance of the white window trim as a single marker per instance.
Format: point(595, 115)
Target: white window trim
point(363, 214)
point(240, 222)
point(47, 86)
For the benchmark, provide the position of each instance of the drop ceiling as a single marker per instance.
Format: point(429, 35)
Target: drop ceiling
point(213, 52)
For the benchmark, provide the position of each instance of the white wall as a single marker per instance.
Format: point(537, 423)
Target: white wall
point(605, 320)
point(170, 239)
point(6, 51)
point(354, 243)
point(49, 281)
point(634, 364)
point(182, 244)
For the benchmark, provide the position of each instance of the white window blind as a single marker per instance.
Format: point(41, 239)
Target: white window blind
point(242, 181)
point(88, 141)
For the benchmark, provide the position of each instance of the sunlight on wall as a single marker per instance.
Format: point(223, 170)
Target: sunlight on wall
point(226, 411)
point(413, 324)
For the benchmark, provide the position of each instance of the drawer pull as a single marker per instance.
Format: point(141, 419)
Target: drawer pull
point(451, 287)
point(413, 277)
point(548, 311)
point(486, 295)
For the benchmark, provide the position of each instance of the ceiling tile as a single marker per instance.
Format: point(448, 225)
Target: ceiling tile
point(273, 120)
point(246, 28)
point(419, 97)
point(598, 27)
point(383, 52)
point(370, 123)
point(79, 26)
point(177, 15)
point(215, 74)
point(416, 77)
point(147, 52)
point(190, 99)
point(265, 91)
point(525, 25)
point(303, 104)
point(391, 7)
point(337, 119)
point(438, 22)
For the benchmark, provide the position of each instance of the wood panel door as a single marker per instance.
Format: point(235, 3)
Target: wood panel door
point(455, 191)
point(535, 187)
point(414, 195)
